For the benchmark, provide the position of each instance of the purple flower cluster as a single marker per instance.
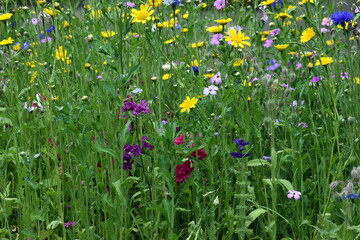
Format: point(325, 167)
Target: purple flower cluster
point(70, 224)
point(341, 17)
point(136, 109)
point(131, 151)
point(241, 144)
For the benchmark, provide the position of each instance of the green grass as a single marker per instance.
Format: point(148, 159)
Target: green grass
point(61, 165)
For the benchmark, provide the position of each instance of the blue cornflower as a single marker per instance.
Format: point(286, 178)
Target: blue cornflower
point(195, 69)
point(241, 144)
point(351, 196)
point(341, 17)
point(51, 29)
point(173, 3)
point(277, 3)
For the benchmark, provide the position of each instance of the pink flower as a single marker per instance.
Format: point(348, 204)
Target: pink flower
point(294, 194)
point(219, 4)
point(357, 10)
point(215, 39)
point(216, 79)
point(268, 43)
point(275, 32)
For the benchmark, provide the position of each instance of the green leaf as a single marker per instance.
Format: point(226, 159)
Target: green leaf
point(285, 183)
point(254, 215)
point(54, 224)
point(101, 147)
point(258, 162)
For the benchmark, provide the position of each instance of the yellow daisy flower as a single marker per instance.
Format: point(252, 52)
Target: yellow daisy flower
point(223, 21)
point(307, 35)
point(143, 15)
point(281, 47)
point(6, 16)
point(7, 41)
point(107, 34)
point(188, 104)
point(237, 38)
point(215, 29)
point(267, 2)
point(155, 3)
point(198, 44)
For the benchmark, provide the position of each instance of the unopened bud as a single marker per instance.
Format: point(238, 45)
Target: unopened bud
point(355, 173)
point(351, 120)
point(333, 185)
point(84, 98)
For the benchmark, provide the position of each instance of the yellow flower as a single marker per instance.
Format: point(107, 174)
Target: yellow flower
point(155, 3)
point(6, 16)
point(34, 75)
point(66, 24)
point(324, 61)
point(215, 29)
point(142, 15)
point(223, 21)
point(185, 16)
point(353, 24)
point(267, 2)
point(55, 98)
point(282, 16)
point(310, 65)
point(172, 40)
point(176, 12)
point(188, 103)
point(108, 34)
point(167, 76)
point(198, 44)
point(330, 42)
point(237, 38)
point(195, 63)
point(184, 30)
point(209, 75)
point(307, 35)
point(306, 1)
point(17, 47)
point(357, 80)
point(307, 54)
point(238, 62)
point(7, 41)
point(96, 13)
point(169, 24)
point(50, 11)
point(281, 47)
point(61, 54)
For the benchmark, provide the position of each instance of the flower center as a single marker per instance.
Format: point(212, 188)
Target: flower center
point(142, 15)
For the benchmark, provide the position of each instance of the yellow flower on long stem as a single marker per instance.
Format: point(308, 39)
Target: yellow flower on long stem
point(237, 38)
point(188, 104)
point(143, 15)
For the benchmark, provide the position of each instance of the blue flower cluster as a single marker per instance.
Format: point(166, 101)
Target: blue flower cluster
point(241, 144)
point(341, 17)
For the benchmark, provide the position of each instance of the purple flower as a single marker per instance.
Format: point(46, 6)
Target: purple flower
point(273, 67)
point(146, 144)
point(219, 4)
point(275, 32)
point(302, 125)
point(267, 158)
point(316, 79)
point(216, 79)
point(344, 75)
point(69, 224)
point(129, 152)
point(130, 4)
point(51, 29)
point(324, 30)
point(294, 194)
point(241, 144)
point(142, 107)
point(268, 43)
point(326, 22)
point(341, 17)
point(298, 65)
point(287, 86)
point(215, 39)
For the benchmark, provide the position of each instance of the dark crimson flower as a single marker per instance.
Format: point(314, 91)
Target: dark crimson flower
point(183, 171)
point(199, 154)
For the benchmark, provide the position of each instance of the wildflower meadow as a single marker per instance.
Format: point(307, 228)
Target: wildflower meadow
point(179, 119)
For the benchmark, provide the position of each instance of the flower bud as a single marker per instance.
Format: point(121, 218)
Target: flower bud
point(350, 187)
point(355, 173)
point(333, 185)
point(351, 120)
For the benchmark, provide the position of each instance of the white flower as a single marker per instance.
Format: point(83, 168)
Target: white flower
point(210, 90)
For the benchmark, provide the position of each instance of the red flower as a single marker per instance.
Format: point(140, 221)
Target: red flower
point(199, 154)
point(183, 171)
point(179, 140)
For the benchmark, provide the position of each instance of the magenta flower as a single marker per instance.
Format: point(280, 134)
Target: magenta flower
point(219, 4)
point(302, 125)
point(294, 194)
point(316, 79)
